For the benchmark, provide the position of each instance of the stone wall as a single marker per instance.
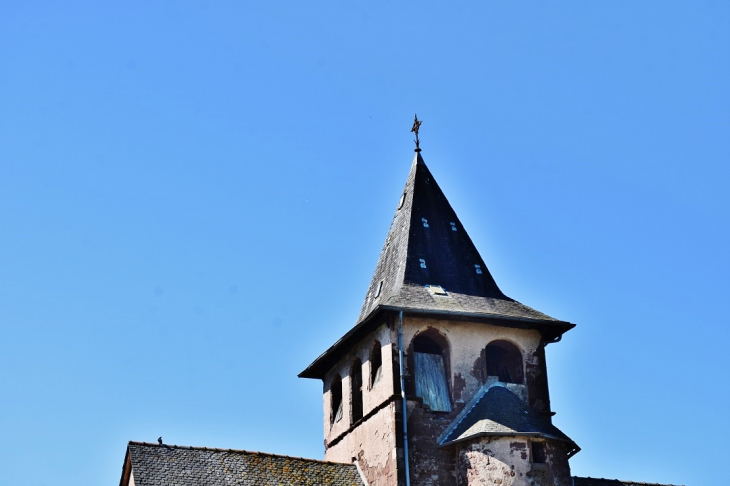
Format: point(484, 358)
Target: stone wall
point(507, 461)
point(467, 342)
point(466, 370)
point(376, 440)
point(373, 445)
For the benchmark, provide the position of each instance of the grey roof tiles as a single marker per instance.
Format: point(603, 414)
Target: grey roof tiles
point(156, 465)
point(497, 411)
point(578, 481)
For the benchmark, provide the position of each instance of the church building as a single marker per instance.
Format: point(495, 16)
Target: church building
point(442, 381)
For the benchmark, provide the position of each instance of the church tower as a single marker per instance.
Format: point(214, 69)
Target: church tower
point(442, 381)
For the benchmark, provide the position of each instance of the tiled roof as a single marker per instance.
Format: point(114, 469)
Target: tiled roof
point(610, 482)
point(427, 245)
point(498, 411)
point(155, 465)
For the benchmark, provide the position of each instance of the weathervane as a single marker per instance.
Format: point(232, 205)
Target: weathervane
point(414, 129)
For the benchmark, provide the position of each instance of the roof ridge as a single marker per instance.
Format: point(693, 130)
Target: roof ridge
point(238, 451)
point(481, 393)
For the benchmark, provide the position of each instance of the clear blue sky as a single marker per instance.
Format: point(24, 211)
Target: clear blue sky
point(193, 196)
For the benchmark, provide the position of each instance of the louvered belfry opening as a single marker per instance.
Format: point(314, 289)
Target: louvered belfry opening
point(336, 400)
point(504, 360)
point(431, 384)
point(356, 390)
point(376, 364)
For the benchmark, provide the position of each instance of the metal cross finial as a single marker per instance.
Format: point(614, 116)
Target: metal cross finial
point(414, 129)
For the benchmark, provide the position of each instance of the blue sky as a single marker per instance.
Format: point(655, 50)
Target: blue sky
point(193, 198)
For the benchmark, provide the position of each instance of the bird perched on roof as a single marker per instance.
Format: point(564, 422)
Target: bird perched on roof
point(159, 440)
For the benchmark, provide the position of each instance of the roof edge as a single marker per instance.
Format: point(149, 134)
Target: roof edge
point(557, 327)
point(484, 316)
point(237, 451)
point(310, 371)
point(126, 469)
point(511, 434)
point(642, 483)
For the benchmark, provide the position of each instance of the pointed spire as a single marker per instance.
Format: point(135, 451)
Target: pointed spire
point(430, 264)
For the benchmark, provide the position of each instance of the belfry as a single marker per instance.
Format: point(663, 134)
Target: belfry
point(443, 378)
point(442, 381)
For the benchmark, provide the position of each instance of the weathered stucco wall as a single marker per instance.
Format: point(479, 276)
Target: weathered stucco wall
point(373, 444)
point(374, 394)
point(467, 342)
point(376, 440)
point(372, 440)
point(507, 461)
point(466, 370)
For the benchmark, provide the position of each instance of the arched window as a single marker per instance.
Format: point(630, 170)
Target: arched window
point(336, 400)
point(376, 363)
point(430, 370)
point(356, 390)
point(504, 361)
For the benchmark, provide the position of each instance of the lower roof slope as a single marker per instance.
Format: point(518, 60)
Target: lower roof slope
point(577, 481)
point(154, 464)
point(496, 411)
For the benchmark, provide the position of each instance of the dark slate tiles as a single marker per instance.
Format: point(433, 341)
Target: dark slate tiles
point(156, 465)
point(427, 245)
point(498, 411)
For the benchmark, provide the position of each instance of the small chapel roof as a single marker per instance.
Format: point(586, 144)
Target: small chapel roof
point(155, 464)
point(429, 265)
point(496, 411)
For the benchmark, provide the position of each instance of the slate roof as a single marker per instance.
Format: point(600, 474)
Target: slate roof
point(422, 232)
point(499, 412)
point(169, 465)
point(427, 245)
point(577, 481)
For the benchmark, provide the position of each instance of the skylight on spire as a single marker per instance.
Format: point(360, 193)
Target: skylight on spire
point(436, 290)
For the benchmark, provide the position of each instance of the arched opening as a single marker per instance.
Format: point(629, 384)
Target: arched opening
point(376, 363)
point(504, 361)
point(430, 365)
point(336, 400)
point(356, 390)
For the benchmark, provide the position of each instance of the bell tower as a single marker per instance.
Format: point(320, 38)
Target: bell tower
point(443, 379)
